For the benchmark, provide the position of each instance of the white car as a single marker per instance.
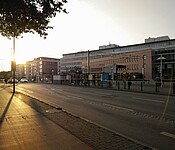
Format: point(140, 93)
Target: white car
point(23, 80)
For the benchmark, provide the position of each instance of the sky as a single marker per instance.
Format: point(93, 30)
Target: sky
point(93, 23)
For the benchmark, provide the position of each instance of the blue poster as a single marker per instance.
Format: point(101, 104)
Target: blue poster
point(105, 77)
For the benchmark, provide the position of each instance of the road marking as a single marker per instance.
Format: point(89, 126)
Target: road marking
point(75, 97)
point(149, 100)
point(29, 91)
point(168, 134)
point(118, 107)
point(24, 90)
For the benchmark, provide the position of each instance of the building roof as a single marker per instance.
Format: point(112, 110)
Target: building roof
point(147, 45)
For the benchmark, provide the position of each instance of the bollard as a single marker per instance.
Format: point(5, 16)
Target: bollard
point(173, 87)
point(141, 86)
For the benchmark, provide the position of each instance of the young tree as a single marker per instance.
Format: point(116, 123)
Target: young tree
point(27, 16)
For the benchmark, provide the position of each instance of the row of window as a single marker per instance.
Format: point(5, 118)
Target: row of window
point(133, 67)
point(165, 51)
point(129, 59)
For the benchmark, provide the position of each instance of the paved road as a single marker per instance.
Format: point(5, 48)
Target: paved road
point(142, 117)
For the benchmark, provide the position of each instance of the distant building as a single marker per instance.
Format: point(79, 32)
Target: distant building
point(42, 69)
point(71, 60)
point(20, 71)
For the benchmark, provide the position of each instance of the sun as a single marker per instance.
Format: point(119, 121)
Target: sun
point(20, 60)
point(23, 54)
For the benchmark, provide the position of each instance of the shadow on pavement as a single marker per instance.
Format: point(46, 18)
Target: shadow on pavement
point(6, 109)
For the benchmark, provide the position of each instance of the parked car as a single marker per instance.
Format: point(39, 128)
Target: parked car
point(23, 80)
point(11, 81)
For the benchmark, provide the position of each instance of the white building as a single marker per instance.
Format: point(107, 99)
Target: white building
point(69, 61)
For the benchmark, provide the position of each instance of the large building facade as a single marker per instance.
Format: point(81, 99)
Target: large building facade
point(42, 69)
point(136, 63)
point(153, 58)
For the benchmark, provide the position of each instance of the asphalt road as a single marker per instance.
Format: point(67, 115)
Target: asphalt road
point(147, 118)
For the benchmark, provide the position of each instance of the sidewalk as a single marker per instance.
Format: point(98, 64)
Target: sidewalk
point(23, 128)
point(168, 88)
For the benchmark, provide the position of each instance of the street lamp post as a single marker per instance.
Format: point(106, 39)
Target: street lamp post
point(52, 76)
point(13, 65)
point(161, 68)
point(143, 66)
point(112, 68)
point(88, 66)
point(143, 70)
point(88, 62)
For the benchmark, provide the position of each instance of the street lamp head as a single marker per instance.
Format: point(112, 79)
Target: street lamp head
point(161, 58)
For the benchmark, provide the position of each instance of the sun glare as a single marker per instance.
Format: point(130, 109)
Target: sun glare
point(21, 60)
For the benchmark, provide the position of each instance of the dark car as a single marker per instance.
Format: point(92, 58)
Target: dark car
point(11, 81)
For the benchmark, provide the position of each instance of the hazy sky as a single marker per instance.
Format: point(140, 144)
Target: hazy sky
point(92, 23)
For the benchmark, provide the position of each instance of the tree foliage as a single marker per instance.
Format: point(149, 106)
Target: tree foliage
point(5, 75)
point(23, 16)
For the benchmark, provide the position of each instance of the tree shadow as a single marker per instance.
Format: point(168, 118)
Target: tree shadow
point(6, 109)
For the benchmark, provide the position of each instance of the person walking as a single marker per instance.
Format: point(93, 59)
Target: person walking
point(158, 84)
point(129, 83)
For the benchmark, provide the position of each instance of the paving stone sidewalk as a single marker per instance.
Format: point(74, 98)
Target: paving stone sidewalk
point(24, 128)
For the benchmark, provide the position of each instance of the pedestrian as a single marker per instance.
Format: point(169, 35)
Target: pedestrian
point(129, 83)
point(124, 83)
point(158, 84)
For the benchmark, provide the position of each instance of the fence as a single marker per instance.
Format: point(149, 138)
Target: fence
point(168, 88)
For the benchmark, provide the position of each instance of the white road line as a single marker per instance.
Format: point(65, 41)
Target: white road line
point(71, 96)
point(168, 134)
point(117, 107)
point(24, 90)
point(149, 100)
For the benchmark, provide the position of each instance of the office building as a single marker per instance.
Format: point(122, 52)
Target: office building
point(155, 57)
